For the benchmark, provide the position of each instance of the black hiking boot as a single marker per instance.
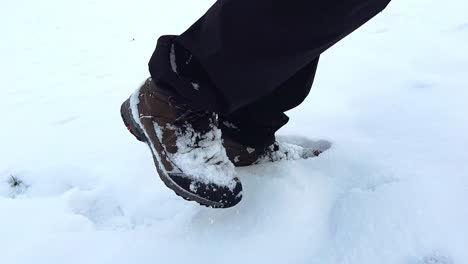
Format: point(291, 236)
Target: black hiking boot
point(186, 146)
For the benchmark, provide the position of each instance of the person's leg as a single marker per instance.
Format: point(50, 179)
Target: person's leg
point(257, 123)
point(242, 57)
point(247, 49)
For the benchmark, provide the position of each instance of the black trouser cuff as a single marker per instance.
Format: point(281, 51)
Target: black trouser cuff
point(174, 68)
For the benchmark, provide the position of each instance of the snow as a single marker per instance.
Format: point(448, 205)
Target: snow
point(392, 189)
point(250, 150)
point(195, 86)
point(210, 152)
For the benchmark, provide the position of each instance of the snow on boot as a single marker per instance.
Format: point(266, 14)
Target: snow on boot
point(244, 155)
point(241, 155)
point(285, 151)
point(186, 146)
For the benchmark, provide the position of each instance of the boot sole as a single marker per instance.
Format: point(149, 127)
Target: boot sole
point(137, 131)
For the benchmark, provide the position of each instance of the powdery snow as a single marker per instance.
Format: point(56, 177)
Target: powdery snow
point(196, 86)
point(392, 189)
point(217, 168)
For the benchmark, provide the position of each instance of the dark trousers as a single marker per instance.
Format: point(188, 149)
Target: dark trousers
point(252, 60)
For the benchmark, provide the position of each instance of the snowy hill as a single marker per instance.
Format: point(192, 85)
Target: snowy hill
point(75, 187)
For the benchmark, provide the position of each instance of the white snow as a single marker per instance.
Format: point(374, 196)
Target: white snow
point(229, 124)
point(392, 189)
point(196, 86)
point(288, 151)
point(195, 148)
point(250, 150)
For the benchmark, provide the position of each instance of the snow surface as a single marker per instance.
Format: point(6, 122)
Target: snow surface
point(392, 98)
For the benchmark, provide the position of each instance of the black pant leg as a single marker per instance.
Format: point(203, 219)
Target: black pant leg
point(258, 121)
point(249, 48)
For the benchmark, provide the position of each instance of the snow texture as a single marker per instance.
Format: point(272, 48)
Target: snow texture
point(194, 148)
point(196, 86)
point(288, 151)
point(392, 189)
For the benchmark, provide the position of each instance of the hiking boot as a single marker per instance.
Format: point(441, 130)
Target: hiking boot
point(248, 154)
point(186, 146)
